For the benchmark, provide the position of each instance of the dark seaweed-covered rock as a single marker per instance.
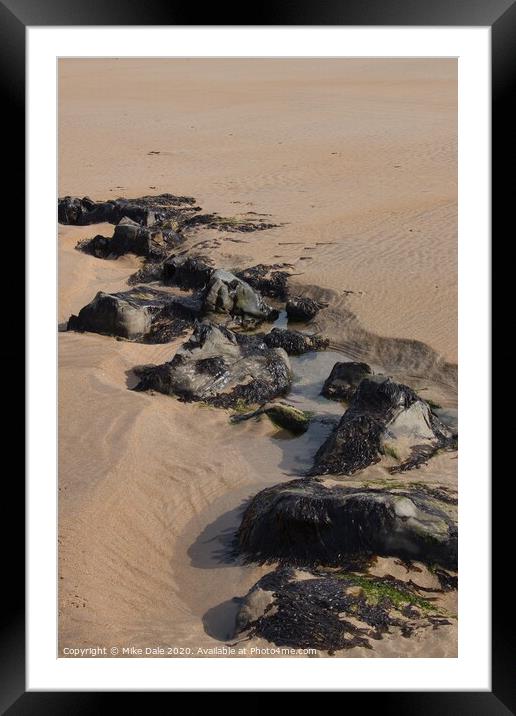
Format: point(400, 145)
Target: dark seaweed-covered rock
point(269, 280)
point(221, 368)
point(180, 270)
point(228, 294)
point(383, 418)
point(294, 342)
point(305, 522)
point(146, 210)
point(152, 242)
point(187, 271)
point(150, 272)
point(229, 223)
point(300, 308)
point(332, 611)
point(343, 380)
point(140, 314)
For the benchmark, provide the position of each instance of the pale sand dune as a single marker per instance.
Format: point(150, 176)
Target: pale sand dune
point(358, 159)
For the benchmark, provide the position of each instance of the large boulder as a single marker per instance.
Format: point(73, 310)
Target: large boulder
point(152, 242)
point(141, 314)
point(344, 379)
point(221, 368)
point(306, 522)
point(337, 610)
point(384, 418)
point(294, 342)
point(146, 210)
point(301, 308)
point(228, 294)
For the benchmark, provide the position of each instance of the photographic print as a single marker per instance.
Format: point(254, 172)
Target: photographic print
point(257, 354)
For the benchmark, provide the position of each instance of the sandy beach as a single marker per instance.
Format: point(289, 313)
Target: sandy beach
point(356, 161)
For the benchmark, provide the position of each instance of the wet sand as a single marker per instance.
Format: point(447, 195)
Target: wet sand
point(357, 160)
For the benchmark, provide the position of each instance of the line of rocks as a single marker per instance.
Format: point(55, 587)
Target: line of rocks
point(308, 525)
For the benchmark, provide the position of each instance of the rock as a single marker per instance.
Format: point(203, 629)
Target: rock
point(333, 611)
point(182, 270)
point(187, 272)
point(195, 272)
point(268, 280)
point(283, 416)
point(146, 210)
point(289, 418)
point(72, 210)
point(449, 417)
point(228, 294)
point(383, 418)
point(305, 522)
point(343, 380)
point(294, 342)
point(221, 368)
point(141, 314)
point(150, 272)
point(152, 242)
point(252, 607)
point(304, 309)
point(245, 223)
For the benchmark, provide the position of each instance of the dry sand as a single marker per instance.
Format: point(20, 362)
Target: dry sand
point(357, 159)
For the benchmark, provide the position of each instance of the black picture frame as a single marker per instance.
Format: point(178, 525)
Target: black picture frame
point(15, 16)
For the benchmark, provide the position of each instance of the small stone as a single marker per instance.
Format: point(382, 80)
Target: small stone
point(289, 418)
point(303, 309)
point(344, 379)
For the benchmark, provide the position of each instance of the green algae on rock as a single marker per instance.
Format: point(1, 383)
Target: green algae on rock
point(289, 418)
point(286, 417)
point(333, 610)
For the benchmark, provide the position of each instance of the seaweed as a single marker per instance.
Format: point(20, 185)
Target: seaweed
point(227, 223)
point(338, 610)
point(294, 342)
point(270, 280)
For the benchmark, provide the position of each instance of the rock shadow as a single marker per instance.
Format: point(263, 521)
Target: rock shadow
point(219, 622)
point(215, 545)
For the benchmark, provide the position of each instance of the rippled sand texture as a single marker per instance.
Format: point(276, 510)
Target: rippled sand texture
point(358, 159)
